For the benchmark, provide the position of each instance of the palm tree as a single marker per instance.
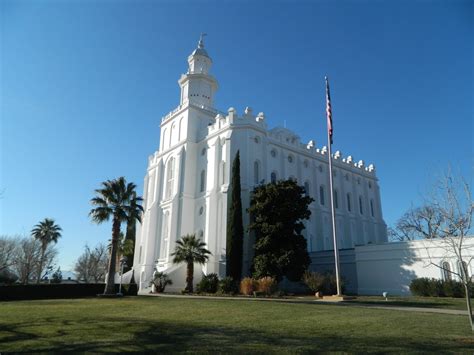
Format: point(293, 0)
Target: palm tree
point(190, 250)
point(116, 199)
point(124, 247)
point(47, 232)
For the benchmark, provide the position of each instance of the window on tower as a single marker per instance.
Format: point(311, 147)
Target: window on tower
point(169, 177)
point(203, 181)
point(273, 177)
point(306, 188)
point(256, 172)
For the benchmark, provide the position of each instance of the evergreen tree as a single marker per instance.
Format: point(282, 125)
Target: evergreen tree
point(130, 236)
point(278, 211)
point(235, 228)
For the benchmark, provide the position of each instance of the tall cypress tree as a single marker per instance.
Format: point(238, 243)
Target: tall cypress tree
point(235, 227)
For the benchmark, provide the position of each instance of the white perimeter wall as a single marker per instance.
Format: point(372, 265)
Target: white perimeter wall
point(390, 267)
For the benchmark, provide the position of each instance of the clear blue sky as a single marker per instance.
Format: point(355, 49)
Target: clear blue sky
point(85, 83)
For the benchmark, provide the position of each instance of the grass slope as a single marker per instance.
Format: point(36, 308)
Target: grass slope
point(188, 325)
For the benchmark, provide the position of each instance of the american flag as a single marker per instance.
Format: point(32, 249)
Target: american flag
point(328, 110)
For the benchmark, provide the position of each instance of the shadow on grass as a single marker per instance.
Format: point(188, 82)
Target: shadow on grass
point(112, 334)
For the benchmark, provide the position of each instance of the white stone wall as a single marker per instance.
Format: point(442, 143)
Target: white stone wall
point(391, 267)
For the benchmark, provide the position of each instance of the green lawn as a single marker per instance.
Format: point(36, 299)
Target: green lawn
point(194, 325)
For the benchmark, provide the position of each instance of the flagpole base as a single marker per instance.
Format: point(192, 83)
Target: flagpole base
point(337, 298)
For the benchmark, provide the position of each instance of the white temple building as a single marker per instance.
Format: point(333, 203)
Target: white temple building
point(187, 178)
point(186, 183)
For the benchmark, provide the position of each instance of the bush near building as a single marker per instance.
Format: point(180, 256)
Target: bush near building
point(437, 288)
point(208, 284)
point(324, 283)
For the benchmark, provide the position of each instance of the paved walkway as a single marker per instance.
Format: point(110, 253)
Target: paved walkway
point(309, 301)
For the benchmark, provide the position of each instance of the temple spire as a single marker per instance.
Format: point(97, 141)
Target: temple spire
point(201, 40)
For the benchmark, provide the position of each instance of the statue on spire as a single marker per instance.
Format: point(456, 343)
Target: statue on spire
point(201, 40)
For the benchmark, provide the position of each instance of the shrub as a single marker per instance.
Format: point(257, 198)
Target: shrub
point(7, 277)
point(248, 286)
point(228, 286)
point(426, 287)
point(267, 285)
point(420, 287)
point(314, 280)
point(208, 284)
point(325, 283)
point(331, 284)
point(160, 281)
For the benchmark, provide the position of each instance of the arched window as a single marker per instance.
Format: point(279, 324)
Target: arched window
point(361, 209)
point(256, 175)
point(306, 188)
point(273, 177)
point(163, 139)
point(172, 133)
point(349, 202)
point(165, 235)
point(372, 207)
point(223, 173)
point(321, 195)
point(336, 200)
point(169, 178)
point(203, 181)
point(446, 268)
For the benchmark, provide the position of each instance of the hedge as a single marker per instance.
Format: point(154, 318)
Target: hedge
point(45, 291)
point(437, 288)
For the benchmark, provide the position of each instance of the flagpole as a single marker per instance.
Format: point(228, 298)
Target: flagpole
point(331, 194)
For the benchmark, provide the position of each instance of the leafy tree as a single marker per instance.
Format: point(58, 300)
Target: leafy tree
point(114, 200)
point(235, 227)
point(190, 250)
point(47, 232)
point(57, 276)
point(91, 266)
point(130, 236)
point(278, 210)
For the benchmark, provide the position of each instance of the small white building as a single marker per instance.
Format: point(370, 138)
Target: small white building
point(187, 179)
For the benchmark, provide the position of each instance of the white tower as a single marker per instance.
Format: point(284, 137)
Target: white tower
point(197, 85)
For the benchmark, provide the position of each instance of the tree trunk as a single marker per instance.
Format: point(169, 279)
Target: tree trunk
point(189, 277)
point(40, 269)
point(468, 304)
point(110, 282)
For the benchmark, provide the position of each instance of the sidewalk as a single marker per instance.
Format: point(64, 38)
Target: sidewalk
point(320, 302)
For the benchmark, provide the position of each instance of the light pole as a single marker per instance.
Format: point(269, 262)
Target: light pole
point(123, 261)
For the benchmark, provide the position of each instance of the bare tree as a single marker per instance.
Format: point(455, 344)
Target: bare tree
point(445, 221)
point(27, 260)
point(91, 266)
point(8, 247)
